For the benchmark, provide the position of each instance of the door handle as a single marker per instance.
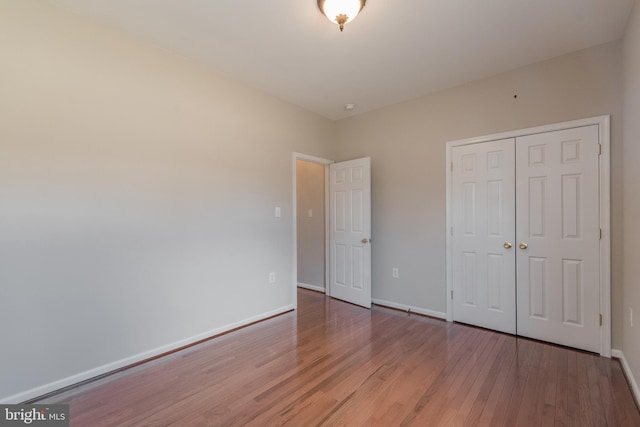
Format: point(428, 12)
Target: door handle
point(523, 245)
point(508, 245)
point(365, 240)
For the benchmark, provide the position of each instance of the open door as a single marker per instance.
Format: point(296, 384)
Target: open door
point(350, 231)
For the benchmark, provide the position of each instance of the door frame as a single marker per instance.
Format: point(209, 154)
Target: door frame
point(604, 177)
point(313, 159)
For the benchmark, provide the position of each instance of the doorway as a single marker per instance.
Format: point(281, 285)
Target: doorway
point(347, 228)
point(311, 233)
point(310, 223)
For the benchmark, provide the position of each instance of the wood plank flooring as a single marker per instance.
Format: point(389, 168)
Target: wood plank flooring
point(331, 363)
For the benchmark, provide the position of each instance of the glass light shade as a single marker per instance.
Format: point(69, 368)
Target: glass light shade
point(341, 11)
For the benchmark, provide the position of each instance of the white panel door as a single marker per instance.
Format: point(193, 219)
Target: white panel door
point(558, 236)
point(350, 235)
point(483, 235)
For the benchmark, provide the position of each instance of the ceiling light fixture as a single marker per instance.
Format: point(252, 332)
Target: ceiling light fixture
point(341, 11)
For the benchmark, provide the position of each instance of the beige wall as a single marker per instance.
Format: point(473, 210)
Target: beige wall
point(311, 234)
point(406, 143)
point(137, 194)
point(631, 154)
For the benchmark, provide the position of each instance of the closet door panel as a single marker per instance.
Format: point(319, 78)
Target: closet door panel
point(558, 236)
point(483, 207)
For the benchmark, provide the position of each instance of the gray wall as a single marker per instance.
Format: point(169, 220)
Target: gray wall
point(311, 233)
point(406, 143)
point(631, 151)
point(137, 194)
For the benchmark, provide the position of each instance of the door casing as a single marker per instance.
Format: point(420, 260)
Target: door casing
point(603, 123)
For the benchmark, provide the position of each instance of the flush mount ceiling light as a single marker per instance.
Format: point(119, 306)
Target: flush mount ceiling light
point(341, 11)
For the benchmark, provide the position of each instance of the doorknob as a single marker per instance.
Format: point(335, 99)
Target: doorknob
point(508, 245)
point(365, 240)
point(523, 246)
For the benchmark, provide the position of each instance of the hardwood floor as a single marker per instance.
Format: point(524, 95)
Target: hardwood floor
point(335, 364)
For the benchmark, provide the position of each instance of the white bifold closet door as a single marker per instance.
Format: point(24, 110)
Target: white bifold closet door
point(526, 236)
point(558, 233)
point(484, 232)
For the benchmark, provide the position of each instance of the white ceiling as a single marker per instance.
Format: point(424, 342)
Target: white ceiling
point(393, 51)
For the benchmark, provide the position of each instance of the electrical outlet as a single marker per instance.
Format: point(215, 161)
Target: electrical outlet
point(272, 277)
point(395, 273)
point(631, 316)
point(310, 213)
point(278, 212)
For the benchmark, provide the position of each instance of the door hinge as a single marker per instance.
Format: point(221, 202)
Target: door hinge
point(600, 319)
point(451, 294)
point(601, 234)
point(599, 149)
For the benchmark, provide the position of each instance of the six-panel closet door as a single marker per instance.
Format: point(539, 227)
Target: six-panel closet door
point(484, 231)
point(558, 234)
point(525, 237)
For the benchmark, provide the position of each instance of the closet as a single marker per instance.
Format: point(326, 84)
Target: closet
point(525, 228)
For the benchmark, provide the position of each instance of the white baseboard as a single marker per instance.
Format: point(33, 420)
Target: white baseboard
point(403, 307)
point(86, 375)
point(311, 287)
point(627, 371)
